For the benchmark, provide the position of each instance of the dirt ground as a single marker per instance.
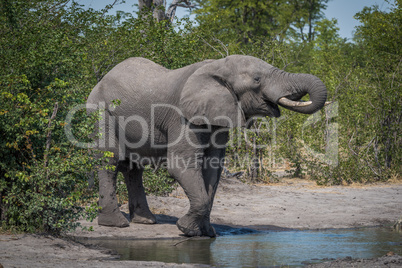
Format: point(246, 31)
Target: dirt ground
point(290, 204)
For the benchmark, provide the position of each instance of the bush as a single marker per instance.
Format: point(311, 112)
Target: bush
point(44, 181)
point(53, 55)
point(156, 182)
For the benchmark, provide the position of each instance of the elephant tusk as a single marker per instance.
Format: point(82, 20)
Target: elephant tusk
point(286, 102)
point(328, 103)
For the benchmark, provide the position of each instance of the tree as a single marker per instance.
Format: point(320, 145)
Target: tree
point(307, 13)
point(157, 7)
point(42, 176)
point(364, 79)
point(53, 55)
point(251, 19)
point(379, 39)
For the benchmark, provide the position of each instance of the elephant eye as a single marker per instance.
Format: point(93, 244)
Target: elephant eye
point(257, 79)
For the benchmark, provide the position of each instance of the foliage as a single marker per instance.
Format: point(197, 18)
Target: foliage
point(43, 177)
point(54, 52)
point(355, 139)
point(244, 21)
point(250, 150)
point(156, 182)
point(363, 80)
point(381, 59)
point(366, 81)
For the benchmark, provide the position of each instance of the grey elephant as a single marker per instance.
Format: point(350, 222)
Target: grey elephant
point(182, 117)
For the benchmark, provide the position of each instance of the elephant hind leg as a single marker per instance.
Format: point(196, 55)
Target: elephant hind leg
point(137, 201)
point(110, 214)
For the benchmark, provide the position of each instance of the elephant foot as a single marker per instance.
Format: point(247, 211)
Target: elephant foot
point(113, 220)
point(191, 227)
point(144, 218)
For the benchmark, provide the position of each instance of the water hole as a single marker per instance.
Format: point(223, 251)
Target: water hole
point(262, 249)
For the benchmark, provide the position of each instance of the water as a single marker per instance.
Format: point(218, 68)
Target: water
point(267, 249)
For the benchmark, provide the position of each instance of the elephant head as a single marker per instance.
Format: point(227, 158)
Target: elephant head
point(229, 91)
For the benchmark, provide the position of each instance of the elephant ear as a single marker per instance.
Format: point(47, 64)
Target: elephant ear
point(205, 99)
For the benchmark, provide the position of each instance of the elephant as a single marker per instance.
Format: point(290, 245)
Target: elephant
point(182, 117)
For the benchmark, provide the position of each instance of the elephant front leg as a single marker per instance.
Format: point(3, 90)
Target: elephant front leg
point(196, 222)
point(110, 214)
point(213, 163)
point(185, 164)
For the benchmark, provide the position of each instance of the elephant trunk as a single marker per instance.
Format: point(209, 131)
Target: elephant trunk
point(299, 85)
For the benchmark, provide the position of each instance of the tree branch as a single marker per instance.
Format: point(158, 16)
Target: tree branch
point(222, 45)
point(107, 8)
point(212, 47)
point(171, 11)
point(49, 133)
